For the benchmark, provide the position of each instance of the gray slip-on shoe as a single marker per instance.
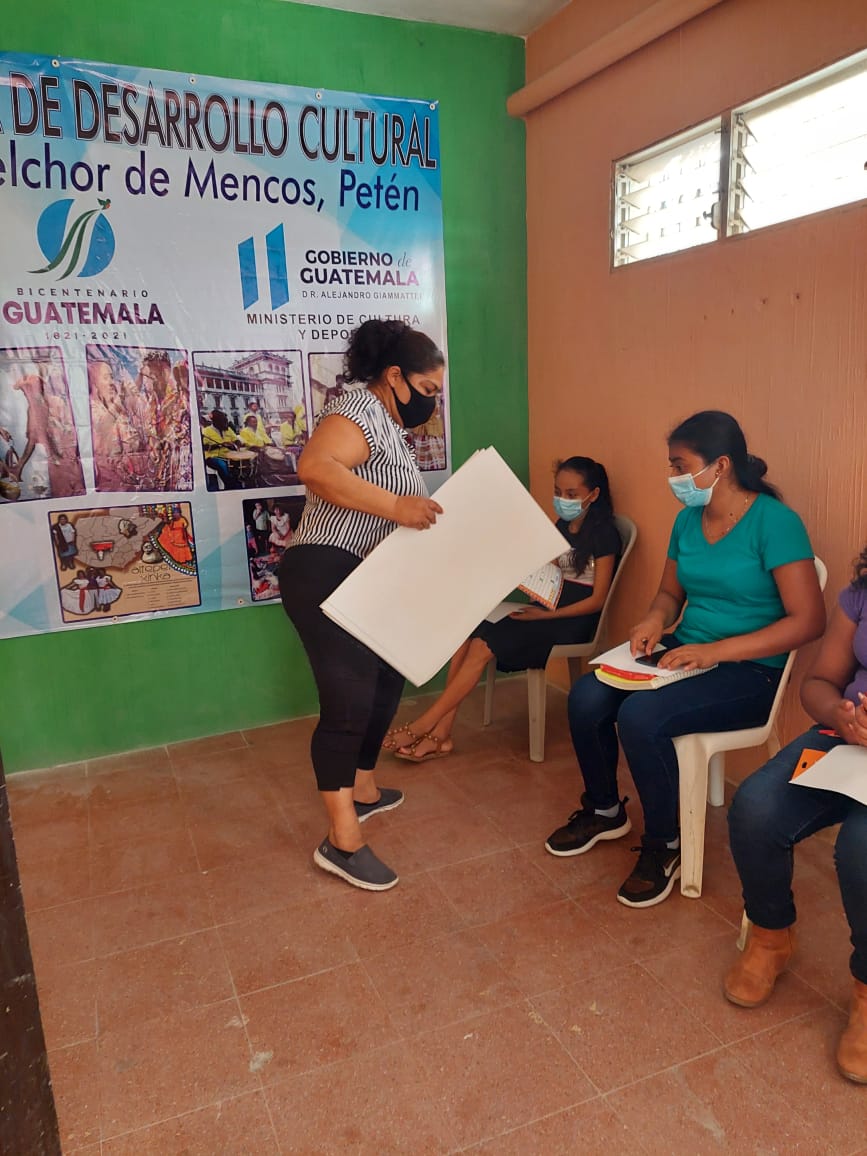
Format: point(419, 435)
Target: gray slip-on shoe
point(361, 868)
point(387, 801)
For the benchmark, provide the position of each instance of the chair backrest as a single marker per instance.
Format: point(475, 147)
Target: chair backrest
point(628, 532)
point(822, 575)
point(821, 572)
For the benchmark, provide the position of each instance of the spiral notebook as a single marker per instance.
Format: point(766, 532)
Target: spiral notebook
point(544, 585)
point(619, 669)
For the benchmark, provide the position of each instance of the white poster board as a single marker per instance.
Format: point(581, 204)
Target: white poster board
point(419, 595)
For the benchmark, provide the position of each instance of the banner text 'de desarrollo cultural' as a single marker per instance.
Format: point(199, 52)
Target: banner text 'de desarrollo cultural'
point(184, 259)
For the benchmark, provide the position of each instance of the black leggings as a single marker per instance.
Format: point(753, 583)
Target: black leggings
point(358, 692)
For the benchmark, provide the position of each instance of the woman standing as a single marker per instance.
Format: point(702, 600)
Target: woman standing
point(768, 816)
point(362, 481)
point(739, 589)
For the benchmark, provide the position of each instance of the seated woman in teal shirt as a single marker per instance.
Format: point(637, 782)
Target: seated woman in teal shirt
point(739, 589)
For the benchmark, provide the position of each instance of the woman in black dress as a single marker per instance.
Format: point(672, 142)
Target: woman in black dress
point(523, 641)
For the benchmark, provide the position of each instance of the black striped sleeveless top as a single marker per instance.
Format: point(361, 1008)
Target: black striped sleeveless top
point(391, 465)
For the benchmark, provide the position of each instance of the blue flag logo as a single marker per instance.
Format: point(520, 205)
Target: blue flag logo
point(84, 247)
point(275, 256)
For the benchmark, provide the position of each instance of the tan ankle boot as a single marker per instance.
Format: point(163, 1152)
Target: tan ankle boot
point(751, 979)
point(852, 1052)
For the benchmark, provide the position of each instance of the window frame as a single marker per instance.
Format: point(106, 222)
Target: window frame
point(727, 210)
point(715, 124)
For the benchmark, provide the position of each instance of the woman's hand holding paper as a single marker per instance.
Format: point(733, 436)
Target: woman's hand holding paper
point(694, 657)
point(531, 613)
point(645, 635)
point(416, 513)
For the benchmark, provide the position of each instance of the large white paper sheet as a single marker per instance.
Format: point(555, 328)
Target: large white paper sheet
point(503, 610)
point(419, 594)
point(843, 769)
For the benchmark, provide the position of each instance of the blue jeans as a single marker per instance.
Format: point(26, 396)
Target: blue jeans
point(733, 696)
point(769, 815)
point(221, 467)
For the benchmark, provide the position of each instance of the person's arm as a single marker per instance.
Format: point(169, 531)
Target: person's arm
point(603, 575)
point(325, 467)
point(803, 621)
point(665, 609)
point(833, 670)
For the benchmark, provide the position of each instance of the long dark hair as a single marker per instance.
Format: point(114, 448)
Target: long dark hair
point(599, 513)
point(712, 433)
point(375, 345)
point(859, 579)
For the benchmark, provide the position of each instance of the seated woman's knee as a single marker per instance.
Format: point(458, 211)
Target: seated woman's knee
point(587, 700)
point(755, 805)
point(638, 717)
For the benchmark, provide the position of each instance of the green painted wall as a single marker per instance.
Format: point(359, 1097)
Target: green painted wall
point(89, 692)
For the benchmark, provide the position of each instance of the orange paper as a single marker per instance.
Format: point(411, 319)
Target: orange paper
point(808, 759)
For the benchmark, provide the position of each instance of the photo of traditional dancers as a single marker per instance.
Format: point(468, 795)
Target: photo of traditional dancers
point(140, 418)
point(39, 454)
point(253, 417)
point(268, 527)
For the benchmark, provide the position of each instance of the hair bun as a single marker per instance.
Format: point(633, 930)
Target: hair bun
point(370, 348)
point(757, 466)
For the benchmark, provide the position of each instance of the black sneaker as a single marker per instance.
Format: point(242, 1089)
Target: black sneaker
point(387, 801)
point(361, 868)
point(584, 829)
point(654, 876)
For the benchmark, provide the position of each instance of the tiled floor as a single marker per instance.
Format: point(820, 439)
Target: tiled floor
point(207, 991)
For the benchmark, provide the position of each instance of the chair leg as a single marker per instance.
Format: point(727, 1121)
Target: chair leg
point(490, 679)
point(536, 692)
point(744, 932)
point(693, 774)
point(716, 776)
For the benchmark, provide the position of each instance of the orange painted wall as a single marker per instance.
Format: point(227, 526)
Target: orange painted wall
point(771, 326)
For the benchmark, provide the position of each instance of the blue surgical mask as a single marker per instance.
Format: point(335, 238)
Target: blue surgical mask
point(687, 492)
point(568, 508)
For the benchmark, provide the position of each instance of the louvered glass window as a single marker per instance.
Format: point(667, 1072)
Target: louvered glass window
point(801, 149)
point(667, 198)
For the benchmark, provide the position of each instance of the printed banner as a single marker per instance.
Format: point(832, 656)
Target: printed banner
point(184, 259)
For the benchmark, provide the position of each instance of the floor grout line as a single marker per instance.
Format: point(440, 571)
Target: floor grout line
point(465, 925)
point(219, 1101)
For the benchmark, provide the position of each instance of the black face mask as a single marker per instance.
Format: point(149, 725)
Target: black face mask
point(418, 410)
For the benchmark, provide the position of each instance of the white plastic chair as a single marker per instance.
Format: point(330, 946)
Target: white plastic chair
point(536, 681)
point(701, 766)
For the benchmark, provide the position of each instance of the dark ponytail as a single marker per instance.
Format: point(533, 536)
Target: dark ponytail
point(375, 345)
point(712, 434)
point(599, 513)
